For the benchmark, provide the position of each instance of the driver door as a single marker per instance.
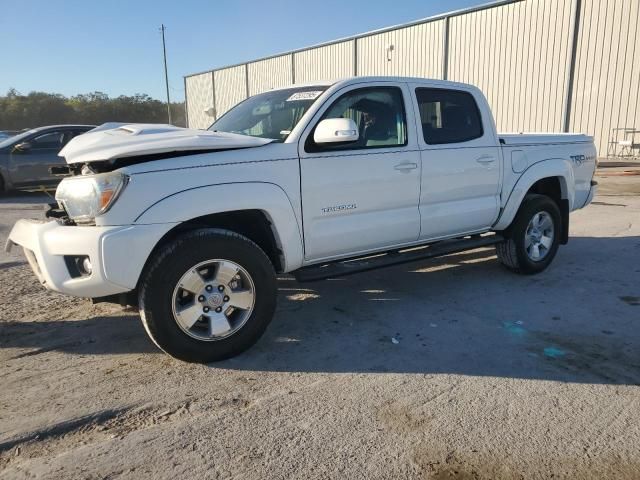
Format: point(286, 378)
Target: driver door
point(362, 196)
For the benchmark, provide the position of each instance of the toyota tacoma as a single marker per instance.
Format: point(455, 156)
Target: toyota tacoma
point(316, 180)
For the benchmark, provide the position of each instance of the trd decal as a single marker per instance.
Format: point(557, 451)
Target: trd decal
point(580, 159)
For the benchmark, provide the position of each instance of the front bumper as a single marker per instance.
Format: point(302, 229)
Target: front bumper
point(117, 254)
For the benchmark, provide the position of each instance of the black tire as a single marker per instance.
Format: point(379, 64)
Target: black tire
point(2, 191)
point(164, 270)
point(512, 252)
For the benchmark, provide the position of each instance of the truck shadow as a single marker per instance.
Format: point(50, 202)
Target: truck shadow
point(104, 335)
point(465, 314)
point(462, 314)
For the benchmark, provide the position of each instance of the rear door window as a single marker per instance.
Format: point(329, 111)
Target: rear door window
point(48, 141)
point(448, 116)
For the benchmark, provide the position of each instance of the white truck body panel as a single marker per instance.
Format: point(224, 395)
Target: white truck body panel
point(537, 139)
point(357, 201)
point(460, 190)
point(322, 206)
point(118, 254)
point(529, 157)
point(126, 140)
point(275, 163)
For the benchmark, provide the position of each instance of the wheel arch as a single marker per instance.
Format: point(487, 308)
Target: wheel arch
point(256, 225)
point(554, 178)
point(556, 189)
point(260, 211)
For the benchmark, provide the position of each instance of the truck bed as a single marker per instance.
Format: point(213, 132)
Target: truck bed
point(521, 151)
point(543, 138)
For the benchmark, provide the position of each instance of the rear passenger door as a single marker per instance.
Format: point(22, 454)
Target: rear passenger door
point(460, 182)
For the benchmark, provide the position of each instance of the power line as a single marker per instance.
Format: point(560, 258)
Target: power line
point(166, 75)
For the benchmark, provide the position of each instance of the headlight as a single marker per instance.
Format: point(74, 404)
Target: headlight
point(86, 197)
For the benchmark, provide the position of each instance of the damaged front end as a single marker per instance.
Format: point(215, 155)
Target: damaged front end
point(92, 178)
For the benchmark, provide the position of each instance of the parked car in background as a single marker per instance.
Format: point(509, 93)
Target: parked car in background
point(25, 159)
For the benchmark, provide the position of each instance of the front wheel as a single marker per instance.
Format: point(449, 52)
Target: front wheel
point(533, 238)
point(208, 295)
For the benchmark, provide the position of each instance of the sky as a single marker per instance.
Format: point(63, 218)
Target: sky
point(115, 46)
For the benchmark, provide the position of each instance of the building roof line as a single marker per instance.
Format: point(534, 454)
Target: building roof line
point(434, 18)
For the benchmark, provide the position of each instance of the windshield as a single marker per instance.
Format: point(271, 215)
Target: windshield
point(269, 115)
point(15, 138)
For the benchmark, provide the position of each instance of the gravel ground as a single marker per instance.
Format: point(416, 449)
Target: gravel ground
point(490, 374)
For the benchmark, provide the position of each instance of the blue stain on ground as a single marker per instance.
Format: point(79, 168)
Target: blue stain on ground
point(553, 352)
point(515, 330)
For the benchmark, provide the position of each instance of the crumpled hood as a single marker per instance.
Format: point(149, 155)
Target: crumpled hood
point(120, 140)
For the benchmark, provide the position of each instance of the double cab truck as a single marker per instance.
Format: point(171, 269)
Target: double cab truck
point(316, 180)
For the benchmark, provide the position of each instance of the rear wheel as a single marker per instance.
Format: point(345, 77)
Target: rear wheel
point(533, 238)
point(207, 296)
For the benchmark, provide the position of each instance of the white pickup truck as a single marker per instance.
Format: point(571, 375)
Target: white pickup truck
point(193, 226)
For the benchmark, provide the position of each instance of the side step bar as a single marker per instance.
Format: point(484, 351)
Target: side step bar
point(412, 254)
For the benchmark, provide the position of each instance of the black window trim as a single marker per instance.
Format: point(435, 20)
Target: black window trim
point(475, 104)
point(311, 147)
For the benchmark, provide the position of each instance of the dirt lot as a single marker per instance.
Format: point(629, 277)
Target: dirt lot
point(493, 375)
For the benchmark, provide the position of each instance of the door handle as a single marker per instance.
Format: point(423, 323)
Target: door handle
point(486, 159)
point(404, 167)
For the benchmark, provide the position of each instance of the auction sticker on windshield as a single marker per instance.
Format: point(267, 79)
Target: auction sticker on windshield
point(304, 96)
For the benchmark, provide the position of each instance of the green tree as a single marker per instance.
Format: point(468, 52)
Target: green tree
point(37, 109)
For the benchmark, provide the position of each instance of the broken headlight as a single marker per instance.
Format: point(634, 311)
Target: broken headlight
point(86, 196)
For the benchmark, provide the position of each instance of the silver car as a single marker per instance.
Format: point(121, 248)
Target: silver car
point(26, 158)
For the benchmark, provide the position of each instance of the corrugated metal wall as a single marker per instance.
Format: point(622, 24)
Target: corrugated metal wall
point(324, 63)
point(200, 98)
point(607, 74)
point(413, 51)
point(271, 73)
point(518, 53)
point(231, 88)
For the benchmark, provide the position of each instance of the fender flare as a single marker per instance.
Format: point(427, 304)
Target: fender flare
point(560, 168)
point(268, 198)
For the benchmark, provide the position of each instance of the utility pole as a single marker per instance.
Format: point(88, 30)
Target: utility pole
point(166, 75)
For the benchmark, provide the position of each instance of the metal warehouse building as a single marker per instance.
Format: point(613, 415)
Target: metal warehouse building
point(544, 65)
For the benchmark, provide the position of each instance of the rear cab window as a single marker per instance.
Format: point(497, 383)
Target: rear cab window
point(448, 116)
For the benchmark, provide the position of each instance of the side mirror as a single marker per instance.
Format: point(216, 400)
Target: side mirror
point(22, 147)
point(336, 130)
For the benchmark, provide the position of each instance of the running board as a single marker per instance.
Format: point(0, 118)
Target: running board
point(413, 254)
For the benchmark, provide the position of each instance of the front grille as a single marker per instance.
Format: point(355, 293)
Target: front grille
point(56, 211)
